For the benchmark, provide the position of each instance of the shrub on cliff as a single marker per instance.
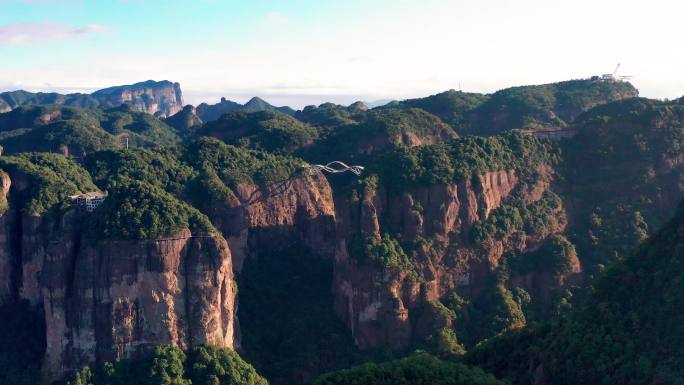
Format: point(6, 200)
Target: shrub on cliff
point(141, 211)
point(557, 255)
point(516, 217)
point(459, 159)
point(51, 179)
point(384, 253)
point(169, 365)
point(418, 369)
point(211, 365)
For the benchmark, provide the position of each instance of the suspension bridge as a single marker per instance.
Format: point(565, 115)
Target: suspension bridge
point(334, 167)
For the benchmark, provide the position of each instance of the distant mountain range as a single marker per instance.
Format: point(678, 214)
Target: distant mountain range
point(210, 112)
point(161, 99)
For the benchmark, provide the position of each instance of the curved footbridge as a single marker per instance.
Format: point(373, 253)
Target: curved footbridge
point(334, 167)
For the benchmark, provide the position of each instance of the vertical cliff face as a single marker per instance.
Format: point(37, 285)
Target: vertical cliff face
point(6, 293)
point(106, 299)
point(121, 298)
point(161, 99)
point(275, 215)
point(382, 306)
point(109, 299)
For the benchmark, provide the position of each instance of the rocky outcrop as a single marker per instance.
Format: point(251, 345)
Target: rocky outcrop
point(5, 251)
point(184, 119)
point(123, 298)
point(105, 299)
point(377, 303)
point(161, 99)
point(296, 211)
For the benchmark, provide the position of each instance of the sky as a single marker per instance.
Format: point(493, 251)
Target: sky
point(302, 52)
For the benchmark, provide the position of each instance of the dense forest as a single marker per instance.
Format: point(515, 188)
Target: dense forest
point(474, 248)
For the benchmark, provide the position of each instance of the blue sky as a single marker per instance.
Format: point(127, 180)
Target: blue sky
point(307, 52)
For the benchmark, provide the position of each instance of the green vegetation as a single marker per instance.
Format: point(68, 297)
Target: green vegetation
point(158, 167)
point(543, 106)
point(329, 116)
point(68, 137)
point(141, 211)
point(450, 106)
point(459, 160)
point(143, 130)
point(379, 130)
point(617, 179)
point(51, 179)
point(628, 331)
point(494, 312)
point(289, 330)
point(385, 253)
point(623, 175)
point(168, 365)
point(532, 107)
point(556, 256)
point(236, 165)
point(18, 98)
point(78, 131)
point(263, 130)
point(517, 218)
point(418, 369)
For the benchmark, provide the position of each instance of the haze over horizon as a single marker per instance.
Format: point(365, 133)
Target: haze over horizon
point(298, 53)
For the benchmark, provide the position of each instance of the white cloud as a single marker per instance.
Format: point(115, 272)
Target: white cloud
point(37, 33)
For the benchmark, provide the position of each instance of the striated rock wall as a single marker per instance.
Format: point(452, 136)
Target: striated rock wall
point(376, 303)
point(123, 298)
point(162, 99)
point(6, 290)
point(104, 299)
point(274, 215)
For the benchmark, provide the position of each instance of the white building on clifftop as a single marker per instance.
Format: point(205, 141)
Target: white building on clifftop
point(88, 201)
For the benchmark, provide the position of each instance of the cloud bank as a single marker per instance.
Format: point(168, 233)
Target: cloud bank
point(22, 34)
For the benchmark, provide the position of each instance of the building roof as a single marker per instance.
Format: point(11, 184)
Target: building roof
point(88, 195)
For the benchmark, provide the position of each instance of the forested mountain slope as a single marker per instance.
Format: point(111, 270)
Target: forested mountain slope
point(218, 233)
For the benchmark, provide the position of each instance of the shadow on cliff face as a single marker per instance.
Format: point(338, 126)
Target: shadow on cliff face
point(22, 343)
point(289, 330)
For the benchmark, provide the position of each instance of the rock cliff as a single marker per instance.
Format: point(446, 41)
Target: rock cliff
point(109, 299)
point(161, 99)
point(383, 306)
point(298, 210)
point(184, 119)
